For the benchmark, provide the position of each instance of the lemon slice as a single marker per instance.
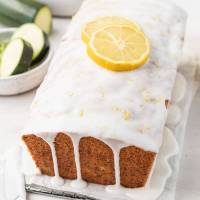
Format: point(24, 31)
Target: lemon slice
point(102, 22)
point(119, 48)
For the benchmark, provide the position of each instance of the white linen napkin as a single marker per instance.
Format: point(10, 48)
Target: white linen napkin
point(11, 179)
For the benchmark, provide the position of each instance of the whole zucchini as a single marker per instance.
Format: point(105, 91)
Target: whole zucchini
point(24, 11)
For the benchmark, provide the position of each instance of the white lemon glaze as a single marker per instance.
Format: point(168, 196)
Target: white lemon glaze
point(81, 97)
point(78, 183)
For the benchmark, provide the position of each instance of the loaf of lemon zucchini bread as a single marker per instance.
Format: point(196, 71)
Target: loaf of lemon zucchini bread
point(99, 115)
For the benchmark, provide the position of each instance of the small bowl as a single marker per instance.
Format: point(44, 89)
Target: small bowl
point(26, 81)
point(63, 8)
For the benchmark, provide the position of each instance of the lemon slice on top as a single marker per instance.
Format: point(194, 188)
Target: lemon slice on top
point(119, 48)
point(102, 22)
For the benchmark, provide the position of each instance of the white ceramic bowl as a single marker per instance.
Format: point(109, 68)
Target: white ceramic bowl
point(24, 82)
point(63, 7)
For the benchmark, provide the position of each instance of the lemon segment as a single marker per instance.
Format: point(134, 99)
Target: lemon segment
point(102, 22)
point(119, 48)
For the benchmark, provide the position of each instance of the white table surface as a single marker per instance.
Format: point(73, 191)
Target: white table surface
point(14, 112)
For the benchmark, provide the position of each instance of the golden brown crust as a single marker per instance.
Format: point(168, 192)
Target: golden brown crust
point(135, 166)
point(97, 161)
point(65, 156)
point(41, 153)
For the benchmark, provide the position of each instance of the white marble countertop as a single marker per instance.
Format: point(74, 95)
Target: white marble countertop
point(14, 112)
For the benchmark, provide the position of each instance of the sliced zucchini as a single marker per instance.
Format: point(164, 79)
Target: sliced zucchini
point(44, 52)
point(16, 58)
point(35, 36)
point(44, 19)
point(18, 12)
point(43, 15)
point(2, 48)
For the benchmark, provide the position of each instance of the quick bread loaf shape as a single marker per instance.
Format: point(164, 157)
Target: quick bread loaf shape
point(91, 125)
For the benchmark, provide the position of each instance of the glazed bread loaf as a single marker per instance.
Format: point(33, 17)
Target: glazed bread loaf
point(99, 126)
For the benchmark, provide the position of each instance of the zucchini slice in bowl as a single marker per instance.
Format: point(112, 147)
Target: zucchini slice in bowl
point(35, 36)
point(43, 53)
point(20, 83)
point(16, 58)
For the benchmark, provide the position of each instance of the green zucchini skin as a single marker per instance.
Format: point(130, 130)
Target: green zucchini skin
point(7, 21)
point(43, 53)
point(31, 33)
point(35, 4)
point(25, 58)
point(19, 12)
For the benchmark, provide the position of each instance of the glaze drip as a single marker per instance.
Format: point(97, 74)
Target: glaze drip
point(78, 183)
point(57, 180)
point(116, 147)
